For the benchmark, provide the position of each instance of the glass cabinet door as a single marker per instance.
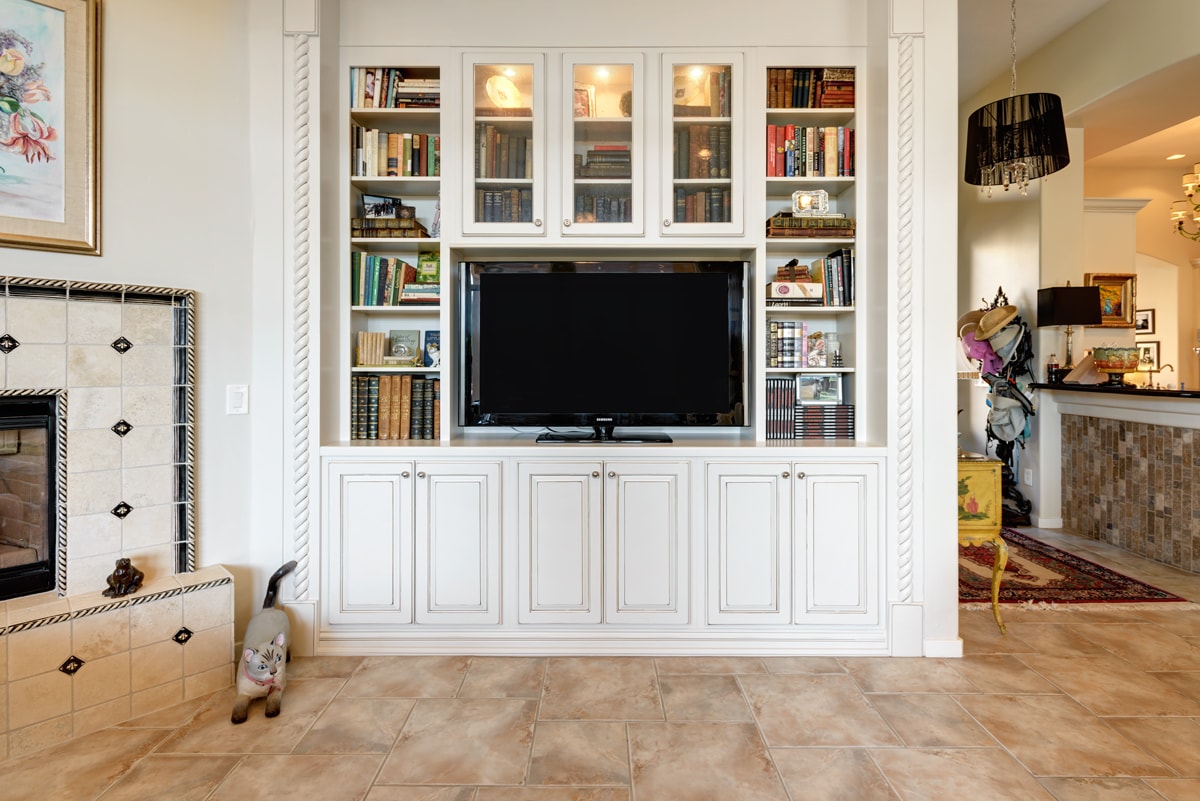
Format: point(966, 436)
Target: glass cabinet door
point(701, 168)
point(504, 178)
point(602, 176)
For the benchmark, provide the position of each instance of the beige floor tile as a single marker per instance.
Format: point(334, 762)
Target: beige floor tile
point(892, 675)
point(323, 667)
point(586, 753)
point(953, 773)
point(925, 720)
point(211, 732)
point(703, 698)
point(328, 778)
point(503, 677)
point(1176, 789)
point(179, 778)
point(1181, 619)
point(1100, 790)
point(357, 726)
point(1186, 683)
point(1056, 639)
point(1148, 646)
point(420, 793)
point(170, 718)
point(708, 664)
point(407, 677)
point(601, 688)
point(796, 709)
point(831, 773)
point(1054, 736)
point(463, 741)
point(702, 762)
point(79, 769)
point(981, 636)
point(551, 794)
point(1175, 741)
point(803, 664)
point(1002, 674)
point(1110, 686)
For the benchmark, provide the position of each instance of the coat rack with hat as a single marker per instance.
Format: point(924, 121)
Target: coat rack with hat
point(999, 340)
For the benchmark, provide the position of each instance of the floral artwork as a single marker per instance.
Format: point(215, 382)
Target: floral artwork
point(31, 81)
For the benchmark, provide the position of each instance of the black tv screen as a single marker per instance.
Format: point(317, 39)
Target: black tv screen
point(603, 344)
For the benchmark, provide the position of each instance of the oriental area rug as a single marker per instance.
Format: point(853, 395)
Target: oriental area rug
point(1040, 573)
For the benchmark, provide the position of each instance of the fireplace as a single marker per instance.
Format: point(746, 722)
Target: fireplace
point(30, 498)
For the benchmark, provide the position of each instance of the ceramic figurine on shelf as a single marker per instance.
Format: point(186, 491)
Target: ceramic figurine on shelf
point(125, 579)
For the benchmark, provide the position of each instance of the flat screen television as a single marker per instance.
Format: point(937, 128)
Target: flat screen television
point(603, 344)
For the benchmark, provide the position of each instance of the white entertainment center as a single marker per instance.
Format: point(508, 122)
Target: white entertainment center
point(723, 541)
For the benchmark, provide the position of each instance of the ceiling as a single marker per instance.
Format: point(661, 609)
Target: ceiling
point(1136, 127)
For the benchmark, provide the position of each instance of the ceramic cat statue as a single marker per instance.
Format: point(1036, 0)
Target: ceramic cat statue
point(262, 669)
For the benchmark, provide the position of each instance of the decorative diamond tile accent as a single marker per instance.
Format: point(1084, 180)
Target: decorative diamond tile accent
point(71, 666)
point(122, 510)
point(183, 635)
point(121, 345)
point(121, 428)
point(8, 344)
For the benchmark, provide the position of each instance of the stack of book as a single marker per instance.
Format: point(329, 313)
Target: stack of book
point(787, 224)
point(787, 344)
point(395, 407)
point(604, 161)
point(702, 151)
point(510, 204)
point(781, 407)
point(387, 87)
point(808, 87)
point(387, 228)
point(379, 153)
point(834, 273)
point(500, 154)
point(824, 421)
point(711, 204)
point(812, 151)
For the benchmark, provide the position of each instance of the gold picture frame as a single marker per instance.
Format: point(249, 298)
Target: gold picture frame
point(49, 125)
point(1118, 298)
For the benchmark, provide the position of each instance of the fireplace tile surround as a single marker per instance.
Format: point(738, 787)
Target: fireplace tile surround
point(122, 359)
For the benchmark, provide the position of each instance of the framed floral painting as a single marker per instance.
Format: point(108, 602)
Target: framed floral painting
point(49, 148)
point(1118, 298)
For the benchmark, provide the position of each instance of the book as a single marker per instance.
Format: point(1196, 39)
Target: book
point(404, 347)
point(372, 407)
point(385, 406)
point(429, 268)
point(437, 408)
point(433, 348)
point(405, 421)
point(417, 406)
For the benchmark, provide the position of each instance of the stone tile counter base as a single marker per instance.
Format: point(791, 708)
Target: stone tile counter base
point(71, 666)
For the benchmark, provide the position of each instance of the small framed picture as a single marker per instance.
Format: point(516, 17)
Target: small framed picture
point(1118, 298)
point(378, 207)
point(1150, 349)
point(585, 100)
point(1143, 322)
point(819, 388)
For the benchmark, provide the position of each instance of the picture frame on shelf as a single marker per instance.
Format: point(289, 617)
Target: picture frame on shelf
point(384, 207)
point(585, 100)
point(1118, 298)
point(1143, 322)
point(50, 170)
point(819, 388)
point(1150, 347)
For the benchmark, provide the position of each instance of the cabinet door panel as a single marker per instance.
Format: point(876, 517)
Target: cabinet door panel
point(559, 510)
point(458, 520)
point(749, 543)
point(837, 568)
point(646, 538)
point(369, 543)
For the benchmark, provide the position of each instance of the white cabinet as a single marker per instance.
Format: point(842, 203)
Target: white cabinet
point(602, 541)
point(749, 542)
point(368, 542)
point(794, 542)
point(457, 514)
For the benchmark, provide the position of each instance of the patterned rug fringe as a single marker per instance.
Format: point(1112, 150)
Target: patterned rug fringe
point(1049, 606)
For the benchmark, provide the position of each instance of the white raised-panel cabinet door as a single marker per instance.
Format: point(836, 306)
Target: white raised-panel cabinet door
point(837, 533)
point(559, 511)
point(749, 542)
point(646, 542)
point(457, 542)
point(368, 560)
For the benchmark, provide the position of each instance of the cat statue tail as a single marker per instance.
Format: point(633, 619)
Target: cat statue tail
point(273, 584)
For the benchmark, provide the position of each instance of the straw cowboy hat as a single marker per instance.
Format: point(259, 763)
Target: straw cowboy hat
point(971, 318)
point(994, 320)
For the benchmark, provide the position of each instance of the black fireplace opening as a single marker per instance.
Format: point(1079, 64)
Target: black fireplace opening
point(28, 495)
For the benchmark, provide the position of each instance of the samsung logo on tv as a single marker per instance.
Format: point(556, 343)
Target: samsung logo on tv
point(604, 419)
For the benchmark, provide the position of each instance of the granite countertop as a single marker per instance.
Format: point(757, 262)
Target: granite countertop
point(1123, 389)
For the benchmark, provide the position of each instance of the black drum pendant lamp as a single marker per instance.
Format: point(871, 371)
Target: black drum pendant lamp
point(1017, 139)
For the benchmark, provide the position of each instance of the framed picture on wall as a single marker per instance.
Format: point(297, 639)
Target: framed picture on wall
point(1118, 298)
point(49, 158)
point(1143, 322)
point(1149, 348)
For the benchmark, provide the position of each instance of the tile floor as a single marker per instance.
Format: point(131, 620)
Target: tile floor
point(1072, 704)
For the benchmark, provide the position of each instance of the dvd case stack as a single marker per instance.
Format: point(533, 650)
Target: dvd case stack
point(824, 421)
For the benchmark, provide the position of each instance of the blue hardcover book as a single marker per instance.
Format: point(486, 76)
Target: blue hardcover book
point(433, 348)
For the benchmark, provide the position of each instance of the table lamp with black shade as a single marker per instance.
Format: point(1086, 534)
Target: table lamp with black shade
point(1068, 305)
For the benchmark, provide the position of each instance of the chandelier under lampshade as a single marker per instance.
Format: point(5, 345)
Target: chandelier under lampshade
point(1017, 139)
point(1187, 211)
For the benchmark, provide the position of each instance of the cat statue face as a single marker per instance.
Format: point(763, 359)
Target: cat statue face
point(262, 673)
